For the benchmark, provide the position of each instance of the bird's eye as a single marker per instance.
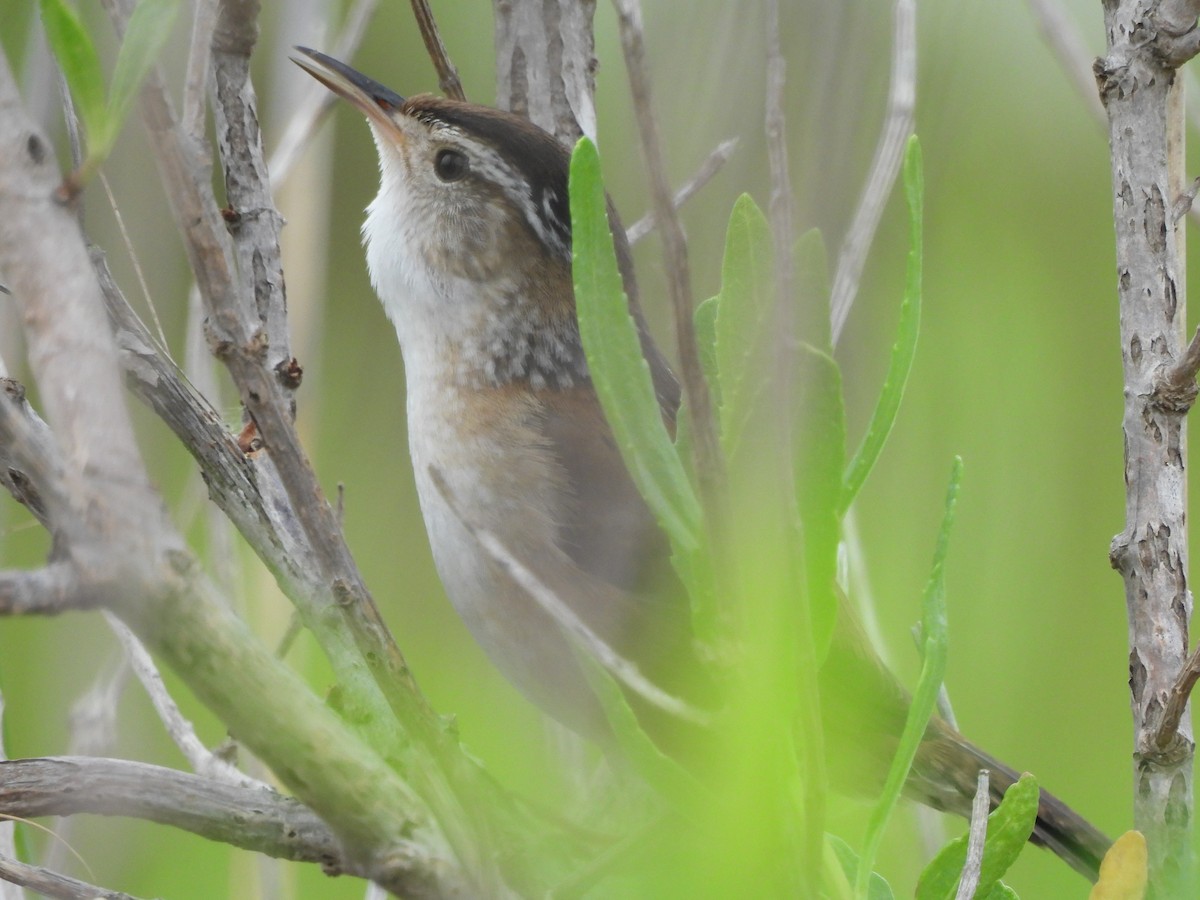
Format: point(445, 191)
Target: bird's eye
point(451, 165)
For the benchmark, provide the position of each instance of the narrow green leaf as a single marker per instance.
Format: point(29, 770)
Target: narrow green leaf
point(614, 354)
point(705, 318)
point(934, 640)
point(1008, 830)
point(879, 889)
point(905, 348)
point(147, 31)
point(706, 341)
point(819, 439)
point(744, 307)
point(812, 291)
point(79, 63)
point(820, 447)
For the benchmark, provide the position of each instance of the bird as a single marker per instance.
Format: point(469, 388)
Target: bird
point(468, 246)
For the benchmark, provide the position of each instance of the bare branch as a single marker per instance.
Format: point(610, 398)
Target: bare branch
point(447, 74)
point(546, 63)
point(253, 818)
point(254, 222)
point(48, 591)
point(200, 758)
point(52, 884)
point(1142, 98)
point(885, 167)
point(236, 336)
point(708, 460)
point(1176, 37)
point(130, 558)
point(1177, 16)
point(713, 164)
point(1175, 386)
point(1177, 702)
point(973, 867)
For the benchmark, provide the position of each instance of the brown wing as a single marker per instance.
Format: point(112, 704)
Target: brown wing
point(609, 533)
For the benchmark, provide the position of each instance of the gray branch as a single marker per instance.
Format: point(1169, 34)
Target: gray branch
point(546, 64)
point(1141, 96)
point(52, 884)
point(123, 552)
point(251, 818)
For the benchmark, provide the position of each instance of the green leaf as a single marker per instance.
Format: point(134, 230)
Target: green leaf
point(743, 310)
point(706, 341)
point(878, 889)
point(819, 438)
point(1008, 831)
point(705, 318)
point(614, 354)
point(934, 641)
point(147, 31)
point(79, 63)
point(1000, 891)
point(905, 348)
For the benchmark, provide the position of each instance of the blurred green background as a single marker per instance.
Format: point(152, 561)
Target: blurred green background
point(1018, 371)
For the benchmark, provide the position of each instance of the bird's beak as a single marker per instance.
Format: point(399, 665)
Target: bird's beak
point(377, 102)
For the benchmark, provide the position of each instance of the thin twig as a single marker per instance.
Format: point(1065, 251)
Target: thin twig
point(973, 867)
point(136, 263)
point(1183, 203)
point(48, 591)
point(708, 169)
point(52, 884)
point(616, 665)
point(447, 73)
point(885, 167)
point(258, 819)
point(180, 730)
point(708, 460)
point(1175, 385)
point(1177, 701)
point(317, 102)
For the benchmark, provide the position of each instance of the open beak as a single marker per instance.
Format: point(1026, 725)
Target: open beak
point(376, 101)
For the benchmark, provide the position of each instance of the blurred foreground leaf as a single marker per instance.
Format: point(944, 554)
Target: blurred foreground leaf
point(818, 439)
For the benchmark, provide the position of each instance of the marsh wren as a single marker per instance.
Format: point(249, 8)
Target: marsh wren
point(469, 249)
